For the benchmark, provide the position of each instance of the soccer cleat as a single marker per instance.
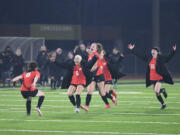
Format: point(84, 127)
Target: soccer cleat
point(164, 93)
point(77, 110)
point(163, 106)
point(85, 107)
point(114, 93)
point(38, 111)
point(114, 101)
point(108, 106)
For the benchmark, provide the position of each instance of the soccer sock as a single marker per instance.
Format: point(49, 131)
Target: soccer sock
point(72, 100)
point(88, 99)
point(51, 83)
point(78, 100)
point(40, 101)
point(28, 107)
point(111, 91)
point(108, 96)
point(160, 98)
point(162, 90)
point(105, 100)
point(54, 85)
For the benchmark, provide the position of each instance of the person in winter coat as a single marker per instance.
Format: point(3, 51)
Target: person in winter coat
point(156, 72)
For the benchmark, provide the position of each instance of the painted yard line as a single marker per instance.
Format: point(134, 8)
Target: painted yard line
point(95, 121)
point(97, 106)
point(65, 96)
point(78, 132)
point(108, 113)
point(141, 102)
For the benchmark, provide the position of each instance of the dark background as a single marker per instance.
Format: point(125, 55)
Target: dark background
point(132, 17)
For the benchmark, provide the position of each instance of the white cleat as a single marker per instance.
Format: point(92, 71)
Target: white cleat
point(77, 110)
point(38, 111)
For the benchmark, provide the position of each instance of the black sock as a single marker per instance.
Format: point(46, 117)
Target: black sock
point(105, 100)
point(40, 101)
point(108, 96)
point(111, 91)
point(54, 85)
point(28, 107)
point(162, 90)
point(78, 101)
point(88, 99)
point(72, 100)
point(160, 98)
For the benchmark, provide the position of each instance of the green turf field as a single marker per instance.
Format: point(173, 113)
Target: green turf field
point(137, 113)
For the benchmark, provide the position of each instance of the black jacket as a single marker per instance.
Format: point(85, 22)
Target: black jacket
point(160, 66)
point(114, 65)
point(86, 67)
point(18, 65)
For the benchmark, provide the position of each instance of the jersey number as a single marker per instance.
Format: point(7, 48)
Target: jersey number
point(77, 73)
point(28, 74)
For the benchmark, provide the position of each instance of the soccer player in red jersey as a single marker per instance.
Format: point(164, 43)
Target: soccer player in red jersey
point(79, 74)
point(108, 79)
point(28, 87)
point(156, 70)
point(97, 72)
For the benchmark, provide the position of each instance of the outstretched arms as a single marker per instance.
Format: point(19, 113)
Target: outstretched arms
point(16, 78)
point(141, 56)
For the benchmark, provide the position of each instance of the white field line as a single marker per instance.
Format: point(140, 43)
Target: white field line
point(79, 132)
point(95, 121)
point(65, 96)
point(109, 113)
point(132, 101)
point(97, 106)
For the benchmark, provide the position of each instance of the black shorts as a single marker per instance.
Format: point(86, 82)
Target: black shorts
point(108, 82)
point(75, 85)
point(154, 82)
point(99, 78)
point(27, 94)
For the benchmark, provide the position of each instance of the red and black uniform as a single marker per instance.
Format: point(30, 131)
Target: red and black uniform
point(99, 77)
point(26, 88)
point(154, 76)
point(78, 77)
point(107, 74)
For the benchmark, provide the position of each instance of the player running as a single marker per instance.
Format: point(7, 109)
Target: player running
point(156, 70)
point(28, 87)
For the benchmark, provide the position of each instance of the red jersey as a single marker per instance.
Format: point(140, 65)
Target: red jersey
point(78, 75)
point(154, 76)
point(99, 63)
point(28, 79)
point(107, 74)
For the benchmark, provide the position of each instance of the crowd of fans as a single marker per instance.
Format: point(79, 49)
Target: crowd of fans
point(12, 64)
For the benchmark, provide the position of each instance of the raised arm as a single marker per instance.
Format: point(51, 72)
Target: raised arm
point(16, 78)
point(169, 57)
point(141, 56)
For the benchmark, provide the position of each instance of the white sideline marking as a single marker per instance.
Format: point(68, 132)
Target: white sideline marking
point(109, 113)
point(94, 121)
point(78, 132)
point(132, 101)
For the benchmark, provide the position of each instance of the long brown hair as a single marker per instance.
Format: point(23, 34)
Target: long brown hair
point(99, 47)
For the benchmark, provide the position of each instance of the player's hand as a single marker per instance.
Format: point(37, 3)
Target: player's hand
point(174, 47)
point(131, 46)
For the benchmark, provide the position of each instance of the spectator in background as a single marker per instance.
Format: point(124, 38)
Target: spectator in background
point(42, 60)
point(53, 71)
point(18, 64)
point(7, 66)
point(81, 50)
point(60, 58)
point(69, 60)
point(116, 58)
point(1, 65)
